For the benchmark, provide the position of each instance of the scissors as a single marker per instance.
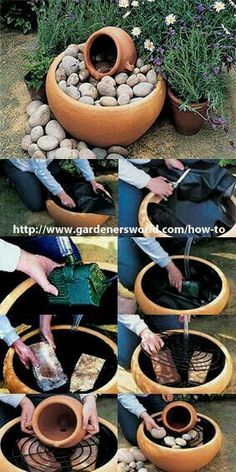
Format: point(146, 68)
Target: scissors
point(176, 184)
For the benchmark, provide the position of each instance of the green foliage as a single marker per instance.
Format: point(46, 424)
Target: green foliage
point(37, 68)
point(227, 162)
point(16, 17)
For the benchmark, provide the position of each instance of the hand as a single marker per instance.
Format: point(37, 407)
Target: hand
point(45, 329)
point(38, 267)
point(160, 186)
point(96, 186)
point(66, 200)
point(27, 411)
point(175, 276)
point(25, 354)
point(168, 398)
point(90, 416)
point(181, 318)
point(174, 164)
point(149, 421)
point(151, 343)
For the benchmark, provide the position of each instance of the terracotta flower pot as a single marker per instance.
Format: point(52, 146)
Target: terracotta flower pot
point(215, 307)
point(76, 220)
point(181, 460)
point(58, 421)
point(93, 124)
point(119, 43)
point(179, 417)
point(217, 385)
point(9, 431)
point(187, 122)
point(149, 229)
point(17, 385)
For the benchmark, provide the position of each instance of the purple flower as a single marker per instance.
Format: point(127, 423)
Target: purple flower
point(216, 71)
point(170, 32)
point(201, 8)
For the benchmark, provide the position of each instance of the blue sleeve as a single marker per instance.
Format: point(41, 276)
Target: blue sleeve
point(84, 166)
point(44, 175)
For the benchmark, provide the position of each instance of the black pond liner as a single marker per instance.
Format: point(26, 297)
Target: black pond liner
point(106, 441)
point(204, 427)
point(156, 287)
point(182, 353)
point(34, 300)
point(70, 346)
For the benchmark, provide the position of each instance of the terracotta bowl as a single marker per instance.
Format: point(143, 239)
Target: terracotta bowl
point(179, 417)
point(213, 308)
point(7, 466)
point(149, 229)
point(75, 220)
point(180, 460)
point(16, 385)
point(217, 385)
point(103, 126)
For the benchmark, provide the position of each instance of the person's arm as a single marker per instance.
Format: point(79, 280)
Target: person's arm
point(9, 335)
point(27, 409)
point(45, 329)
point(151, 342)
point(84, 166)
point(131, 403)
point(133, 322)
point(132, 175)
point(90, 415)
point(13, 399)
point(9, 256)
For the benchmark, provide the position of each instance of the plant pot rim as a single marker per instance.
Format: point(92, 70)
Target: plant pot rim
point(85, 106)
point(192, 104)
point(225, 375)
point(189, 450)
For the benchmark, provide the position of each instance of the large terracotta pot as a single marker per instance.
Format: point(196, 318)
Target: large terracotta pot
point(149, 229)
point(179, 417)
point(103, 126)
point(57, 421)
point(7, 466)
point(213, 308)
point(187, 122)
point(217, 385)
point(15, 385)
point(75, 220)
point(180, 460)
point(119, 42)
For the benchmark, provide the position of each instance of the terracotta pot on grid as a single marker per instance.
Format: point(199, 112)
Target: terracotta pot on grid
point(118, 43)
point(186, 122)
point(57, 421)
point(179, 417)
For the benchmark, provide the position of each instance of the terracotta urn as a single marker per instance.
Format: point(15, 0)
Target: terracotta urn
point(58, 421)
point(214, 307)
point(181, 460)
point(116, 42)
point(187, 122)
point(179, 417)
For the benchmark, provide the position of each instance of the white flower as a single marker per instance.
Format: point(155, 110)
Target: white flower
point(232, 3)
point(126, 14)
point(218, 6)
point(123, 3)
point(135, 4)
point(151, 1)
point(148, 44)
point(170, 19)
point(136, 31)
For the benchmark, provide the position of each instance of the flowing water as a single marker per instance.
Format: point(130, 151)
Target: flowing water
point(186, 257)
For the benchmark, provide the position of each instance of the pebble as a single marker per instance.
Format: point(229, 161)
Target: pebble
point(70, 64)
point(73, 92)
point(26, 142)
point(88, 90)
point(93, 81)
point(175, 446)
point(97, 103)
point(158, 433)
point(47, 143)
point(66, 143)
point(136, 99)
point(40, 117)
point(28, 129)
point(53, 128)
point(118, 150)
point(144, 469)
point(138, 455)
point(142, 78)
point(193, 433)
point(60, 74)
point(82, 145)
point(87, 100)
point(106, 89)
point(74, 154)
point(87, 154)
point(124, 99)
point(169, 441)
point(124, 88)
point(136, 70)
point(39, 155)
point(73, 79)
point(74, 143)
point(32, 149)
point(121, 78)
point(145, 69)
point(180, 442)
point(81, 47)
point(132, 465)
point(52, 154)
point(114, 156)
point(186, 437)
point(143, 89)
point(125, 456)
point(63, 153)
point(139, 465)
point(132, 80)
point(82, 66)
point(36, 133)
point(152, 77)
point(83, 75)
point(72, 50)
point(139, 63)
point(33, 106)
point(108, 101)
point(100, 153)
point(80, 56)
point(108, 80)
point(62, 84)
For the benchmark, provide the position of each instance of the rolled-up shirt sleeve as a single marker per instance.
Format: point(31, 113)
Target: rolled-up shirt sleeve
point(86, 169)
point(41, 171)
point(131, 175)
point(133, 322)
point(9, 256)
point(7, 332)
point(13, 399)
point(131, 403)
point(154, 250)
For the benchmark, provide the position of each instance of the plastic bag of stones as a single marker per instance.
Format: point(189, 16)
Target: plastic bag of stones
point(131, 460)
